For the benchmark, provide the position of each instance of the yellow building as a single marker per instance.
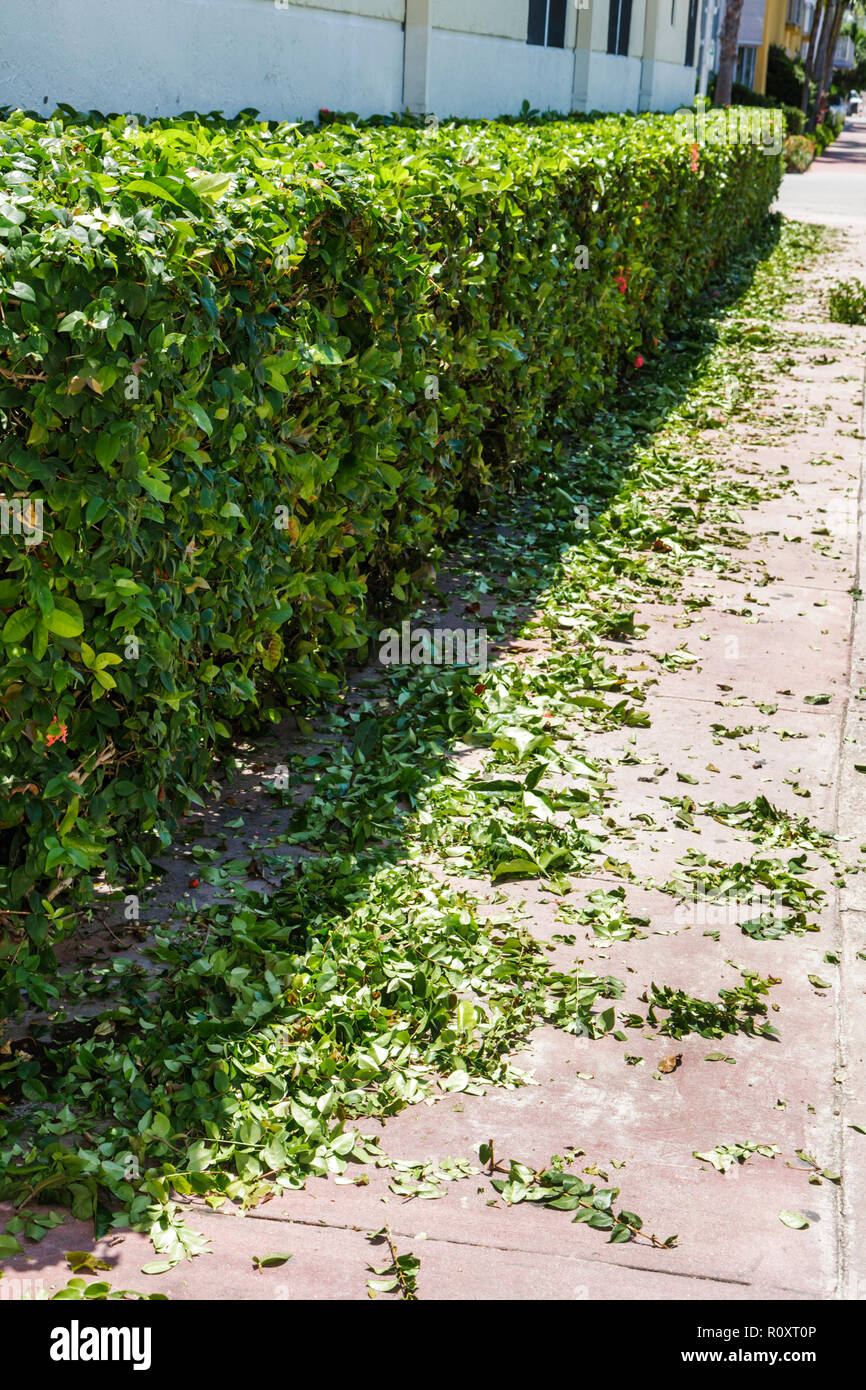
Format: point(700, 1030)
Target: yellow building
point(775, 24)
point(765, 22)
point(798, 23)
point(787, 23)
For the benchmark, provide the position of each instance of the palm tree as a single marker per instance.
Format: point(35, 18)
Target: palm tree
point(822, 46)
point(826, 73)
point(728, 52)
point(809, 67)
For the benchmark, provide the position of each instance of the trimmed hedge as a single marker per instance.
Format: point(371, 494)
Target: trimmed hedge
point(795, 119)
point(800, 150)
point(798, 153)
point(253, 373)
point(826, 131)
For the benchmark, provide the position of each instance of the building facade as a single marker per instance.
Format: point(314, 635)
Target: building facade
point(288, 58)
point(763, 23)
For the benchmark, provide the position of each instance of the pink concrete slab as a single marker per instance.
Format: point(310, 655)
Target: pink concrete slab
point(451, 1271)
point(324, 1265)
point(681, 738)
point(761, 661)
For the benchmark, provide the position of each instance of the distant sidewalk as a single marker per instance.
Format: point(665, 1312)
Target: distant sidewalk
point(833, 189)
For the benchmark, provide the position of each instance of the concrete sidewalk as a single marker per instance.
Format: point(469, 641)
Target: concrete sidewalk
point(833, 189)
point(781, 630)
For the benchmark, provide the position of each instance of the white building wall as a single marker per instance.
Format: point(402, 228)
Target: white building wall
point(504, 19)
point(671, 86)
point(288, 58)
point(605, 82)
point(637, 36)
point(371, 9)
point(666, 82)
point(481, 64)
point(670, 44)
point(160, 57)
point(507, 19)
point(471, 75)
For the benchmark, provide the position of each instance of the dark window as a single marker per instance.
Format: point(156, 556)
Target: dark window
point(537, 21)
point(690, 33)
point(556, 24)
point(618, 27)
point(744, 73)
point(547, 23)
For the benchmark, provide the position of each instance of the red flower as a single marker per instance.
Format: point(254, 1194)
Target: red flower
point(53, 738)
point(621, 283)
point(638, 361)
point(193, 883)
point(655, 342)
point(694, 159)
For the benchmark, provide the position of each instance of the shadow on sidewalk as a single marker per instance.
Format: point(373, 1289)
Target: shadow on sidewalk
point(354, 785)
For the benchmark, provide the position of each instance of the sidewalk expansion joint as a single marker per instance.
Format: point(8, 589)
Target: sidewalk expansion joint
point(490, 1245)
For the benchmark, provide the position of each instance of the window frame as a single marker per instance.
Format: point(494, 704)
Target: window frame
point(619, 28)
point(691, 33)
point(746, 65)
point(546, 21)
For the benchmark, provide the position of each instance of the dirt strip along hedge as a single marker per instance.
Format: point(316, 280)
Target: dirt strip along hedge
point(252, 375)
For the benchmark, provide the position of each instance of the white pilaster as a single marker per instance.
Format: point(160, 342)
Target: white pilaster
point(416, 57)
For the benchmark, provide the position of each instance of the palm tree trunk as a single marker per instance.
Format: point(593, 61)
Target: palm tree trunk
point(809, 66)
point(827, 69)
point(728, 52)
